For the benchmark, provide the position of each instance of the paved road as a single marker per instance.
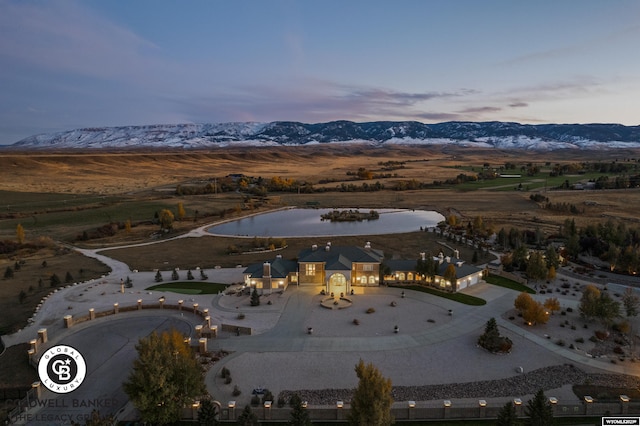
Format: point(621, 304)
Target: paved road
point(108, 347)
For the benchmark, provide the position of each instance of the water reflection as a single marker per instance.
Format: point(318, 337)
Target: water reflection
point(307, 222)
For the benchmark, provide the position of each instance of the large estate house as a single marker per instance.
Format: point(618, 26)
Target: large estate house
point(339, 269)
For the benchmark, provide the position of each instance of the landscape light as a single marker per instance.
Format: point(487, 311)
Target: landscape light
point(517, 401)
point(624, 398)
point(447, 403)
point(339, 404)
point(553, 400)
point(482, 403)
point(412, 404)
point(588, 399)
point(231, 404)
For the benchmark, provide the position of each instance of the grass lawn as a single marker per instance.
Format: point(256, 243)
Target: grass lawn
point(458, 297)
point(507, 283)
point(190, 287)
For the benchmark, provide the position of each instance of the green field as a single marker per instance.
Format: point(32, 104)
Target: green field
point(458, 297)
point(189, 287)
point(507, 283)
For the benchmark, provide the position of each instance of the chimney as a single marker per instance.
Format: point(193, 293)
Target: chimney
point(448, 259)
point(423, 255)
point(314, 247)
point(367, 245)
point(266, 270)
point(327, 248)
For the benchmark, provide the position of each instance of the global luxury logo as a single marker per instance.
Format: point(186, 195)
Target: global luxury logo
point(62, 369)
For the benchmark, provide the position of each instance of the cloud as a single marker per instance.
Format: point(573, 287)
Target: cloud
point(518, 104)
point(479, 110)
point(66, 37)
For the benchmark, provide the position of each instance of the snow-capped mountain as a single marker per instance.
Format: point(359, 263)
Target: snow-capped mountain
point(487, 134)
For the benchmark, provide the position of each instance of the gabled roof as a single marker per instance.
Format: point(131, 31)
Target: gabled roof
point(341, 255)
point(461, 271)
point(280, 268)
point(401, 265)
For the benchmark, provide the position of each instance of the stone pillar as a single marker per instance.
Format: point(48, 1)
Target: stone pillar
point(198, 329)
point(139, 304)
point(588, 402)
point(116, 308)
point(267, 410)
point(447, 408)
point(195, 308)
point(554, 404)
point(92, 314)
point(68, 321)
point(42, 335)
point(231, 405)
point(483, 408)
point(339, 413)
point(517, 402)
point(214, 331)
point(161, 300)
point(207, 320)
point(194, 410)
point(31, 353)
point(202, 342)
point(33, 344)
point(412, 410)
point(180, 302)
point(205, 311)
point(624, 404)
point(38, 389)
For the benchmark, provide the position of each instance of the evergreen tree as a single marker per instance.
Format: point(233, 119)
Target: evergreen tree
point(174, 275)
point(299, 414)
point(158, 277)
point(165, 378)
point(247, 417)
point(451, 275)
point(539, 411)
point(536, 267)
point(68, 278)
point(207, 413)
point(507, 415)
point(8, 273)
point(371, 401)
point(255, 297)
point(54, 281)
point(189, 275)
point(631, 302)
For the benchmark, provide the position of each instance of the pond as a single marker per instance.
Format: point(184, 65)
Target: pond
point(307, 222)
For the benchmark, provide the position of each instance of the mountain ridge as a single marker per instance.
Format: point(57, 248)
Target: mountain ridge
point(491, 134)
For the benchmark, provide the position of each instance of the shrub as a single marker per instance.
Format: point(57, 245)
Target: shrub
point(370, 310)
point(255, 400)
point(560, 342)
point(236, 391)
point(618, 350)
point(224, 372)
point(356, 321)
point(593, 339)
point(227, 380)
point(281, 401)
point(241, 316)
point(579, 340)
point(569, 309)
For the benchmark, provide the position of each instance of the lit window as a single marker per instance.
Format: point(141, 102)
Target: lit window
point(310, 269)
point(367, 267)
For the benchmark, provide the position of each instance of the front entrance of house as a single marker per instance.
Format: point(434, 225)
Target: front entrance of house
point(338, 284)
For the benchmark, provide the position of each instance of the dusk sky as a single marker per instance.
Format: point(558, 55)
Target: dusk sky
point(72, 64)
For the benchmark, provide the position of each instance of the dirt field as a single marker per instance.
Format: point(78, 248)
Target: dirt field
point(62, 195)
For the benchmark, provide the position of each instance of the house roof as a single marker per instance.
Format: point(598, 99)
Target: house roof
point(461, 271)
point(280, 268)
point(340, 258)
point(401, 264)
